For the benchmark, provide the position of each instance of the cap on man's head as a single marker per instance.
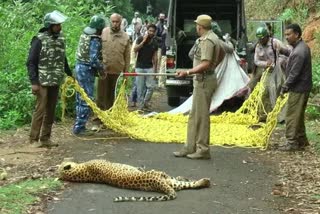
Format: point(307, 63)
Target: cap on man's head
point(204, 20)
point(136, 13)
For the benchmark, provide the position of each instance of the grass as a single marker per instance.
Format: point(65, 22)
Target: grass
point(313, 133)
point(14, 198)
point(317, 197)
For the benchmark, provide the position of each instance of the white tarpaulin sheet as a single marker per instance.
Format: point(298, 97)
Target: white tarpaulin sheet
point(231, 78)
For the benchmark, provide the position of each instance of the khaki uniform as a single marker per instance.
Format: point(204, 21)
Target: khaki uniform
point(116, 59)
point(198, 136)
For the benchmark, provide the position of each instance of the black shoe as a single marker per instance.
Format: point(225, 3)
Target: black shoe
point(48, 143)
point(304, 143)
point(84, 133)
point(290, 147)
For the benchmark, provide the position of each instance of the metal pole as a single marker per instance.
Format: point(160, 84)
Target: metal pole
point(147, 74)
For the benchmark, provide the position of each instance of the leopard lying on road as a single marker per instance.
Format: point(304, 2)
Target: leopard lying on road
point(129, 177)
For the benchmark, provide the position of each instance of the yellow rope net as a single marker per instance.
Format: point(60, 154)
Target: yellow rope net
point(240, 129)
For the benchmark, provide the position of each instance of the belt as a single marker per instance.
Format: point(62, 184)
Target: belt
point(202, 76)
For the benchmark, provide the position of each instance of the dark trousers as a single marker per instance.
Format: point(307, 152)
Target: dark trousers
point(295, 127)
point(106, 92)
point(43, 115)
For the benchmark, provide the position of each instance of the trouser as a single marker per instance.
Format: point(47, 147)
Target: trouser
point(134, 94)
point(266, 106)
point(162, 70)
point(106, 92)
point(198, 134)
point(145, 86)
point(295, 127)
point(85, 78)
point(43, 115)
point(255, 78)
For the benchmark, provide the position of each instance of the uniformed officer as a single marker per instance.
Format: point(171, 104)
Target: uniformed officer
point(207, 55)
point(89, 64)
point(46, 65)
point(266, 56)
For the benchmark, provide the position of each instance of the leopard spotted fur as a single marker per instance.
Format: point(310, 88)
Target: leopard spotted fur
point(129, 177)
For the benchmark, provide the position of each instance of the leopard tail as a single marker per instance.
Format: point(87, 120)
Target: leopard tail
point(170, 194)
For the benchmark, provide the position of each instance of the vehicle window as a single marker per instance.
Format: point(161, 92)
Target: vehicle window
point(225, 26)
point(189, 27)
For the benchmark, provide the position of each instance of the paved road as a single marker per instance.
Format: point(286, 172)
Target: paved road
point(243, 181)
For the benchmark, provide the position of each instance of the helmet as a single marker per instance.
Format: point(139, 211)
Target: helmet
point(261, 32)
point(97, 22)
point(216, 28)
point(54, 17)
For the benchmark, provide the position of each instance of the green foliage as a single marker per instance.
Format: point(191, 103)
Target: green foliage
point(157, 5)
point(123, 7)
point(20, 21)
point(297, 15)
point(313, 112)
point(15, 197)
point(150, 19)
point(313, 136)
point(287, 14)
point(316, 76)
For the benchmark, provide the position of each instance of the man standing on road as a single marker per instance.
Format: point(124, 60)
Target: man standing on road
point(146, 48)
point(46, 66)
point(206, 57)
point(266, 56)
point(137, 25)
point(298, 84)
point(161, 37)
point(124, 24)
point(89, 65)
point(116, 59)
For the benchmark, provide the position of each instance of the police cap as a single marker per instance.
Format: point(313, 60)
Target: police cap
point(204, 20)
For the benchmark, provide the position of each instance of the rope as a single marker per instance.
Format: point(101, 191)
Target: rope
point(228, 129)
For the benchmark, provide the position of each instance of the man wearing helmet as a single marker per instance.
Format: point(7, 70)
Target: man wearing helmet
point(266, 56)
point(88, 65)
point(46, 66)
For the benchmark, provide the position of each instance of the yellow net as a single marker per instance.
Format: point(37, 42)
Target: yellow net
point(240, 129)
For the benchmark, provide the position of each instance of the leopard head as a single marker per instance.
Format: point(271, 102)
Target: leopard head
point(67, 171)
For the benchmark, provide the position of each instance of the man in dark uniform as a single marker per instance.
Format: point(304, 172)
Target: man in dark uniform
point(206, 57)
point(89, 64)
point(298, 84)
point(46, 66)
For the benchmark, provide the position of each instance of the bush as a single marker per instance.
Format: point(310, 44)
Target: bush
point(316, 77)
point(20, 21)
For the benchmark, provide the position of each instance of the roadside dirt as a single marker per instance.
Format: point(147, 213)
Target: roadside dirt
point(310, 35)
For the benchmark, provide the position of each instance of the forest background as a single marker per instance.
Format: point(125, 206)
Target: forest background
point(21, 20)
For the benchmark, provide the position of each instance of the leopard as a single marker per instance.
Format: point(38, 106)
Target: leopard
point(128, 177)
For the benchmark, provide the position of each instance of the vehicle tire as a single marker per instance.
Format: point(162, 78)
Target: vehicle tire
point(173, 101)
